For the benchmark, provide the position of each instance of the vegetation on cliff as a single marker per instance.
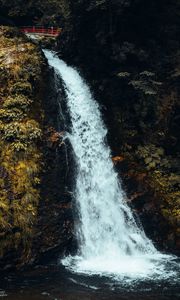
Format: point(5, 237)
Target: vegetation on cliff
point(46, 12)
point(21, 117)
point(130, 52)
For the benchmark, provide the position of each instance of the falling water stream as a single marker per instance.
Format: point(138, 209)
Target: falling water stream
point(110, 241)
point(115, 260)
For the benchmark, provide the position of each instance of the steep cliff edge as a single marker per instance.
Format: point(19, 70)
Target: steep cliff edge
point(33, 218)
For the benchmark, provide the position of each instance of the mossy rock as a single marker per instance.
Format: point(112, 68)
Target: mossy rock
point(20, 143)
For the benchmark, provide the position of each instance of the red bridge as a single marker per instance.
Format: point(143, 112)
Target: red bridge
point(40, 30)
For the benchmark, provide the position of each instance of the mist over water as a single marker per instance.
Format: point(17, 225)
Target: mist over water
point(110, 241)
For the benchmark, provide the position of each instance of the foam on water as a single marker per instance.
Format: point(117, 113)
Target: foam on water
point(110, 241)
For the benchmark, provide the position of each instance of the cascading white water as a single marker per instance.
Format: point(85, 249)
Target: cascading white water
point(110, 242)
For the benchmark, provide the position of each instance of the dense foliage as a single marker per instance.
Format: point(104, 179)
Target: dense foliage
point(25, 12)
point(21, 117)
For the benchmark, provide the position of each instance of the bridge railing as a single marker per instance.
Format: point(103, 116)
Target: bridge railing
point(52, 31)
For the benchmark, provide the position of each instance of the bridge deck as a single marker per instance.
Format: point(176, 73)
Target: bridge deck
point(37, 30)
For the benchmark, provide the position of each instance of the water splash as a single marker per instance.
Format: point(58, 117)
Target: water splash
point(110, 241)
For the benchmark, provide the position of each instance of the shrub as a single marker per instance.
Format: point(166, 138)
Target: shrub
point(23, 88)
point(19, 101)
point(23, 132)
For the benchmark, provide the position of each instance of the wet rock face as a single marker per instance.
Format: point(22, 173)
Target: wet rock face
point(54, 234)
point(128, 51)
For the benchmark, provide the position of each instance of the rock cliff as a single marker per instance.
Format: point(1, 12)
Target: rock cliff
point(129, 53)
point(35, 213)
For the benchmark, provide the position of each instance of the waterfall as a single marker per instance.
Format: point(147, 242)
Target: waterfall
point(110, 241)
